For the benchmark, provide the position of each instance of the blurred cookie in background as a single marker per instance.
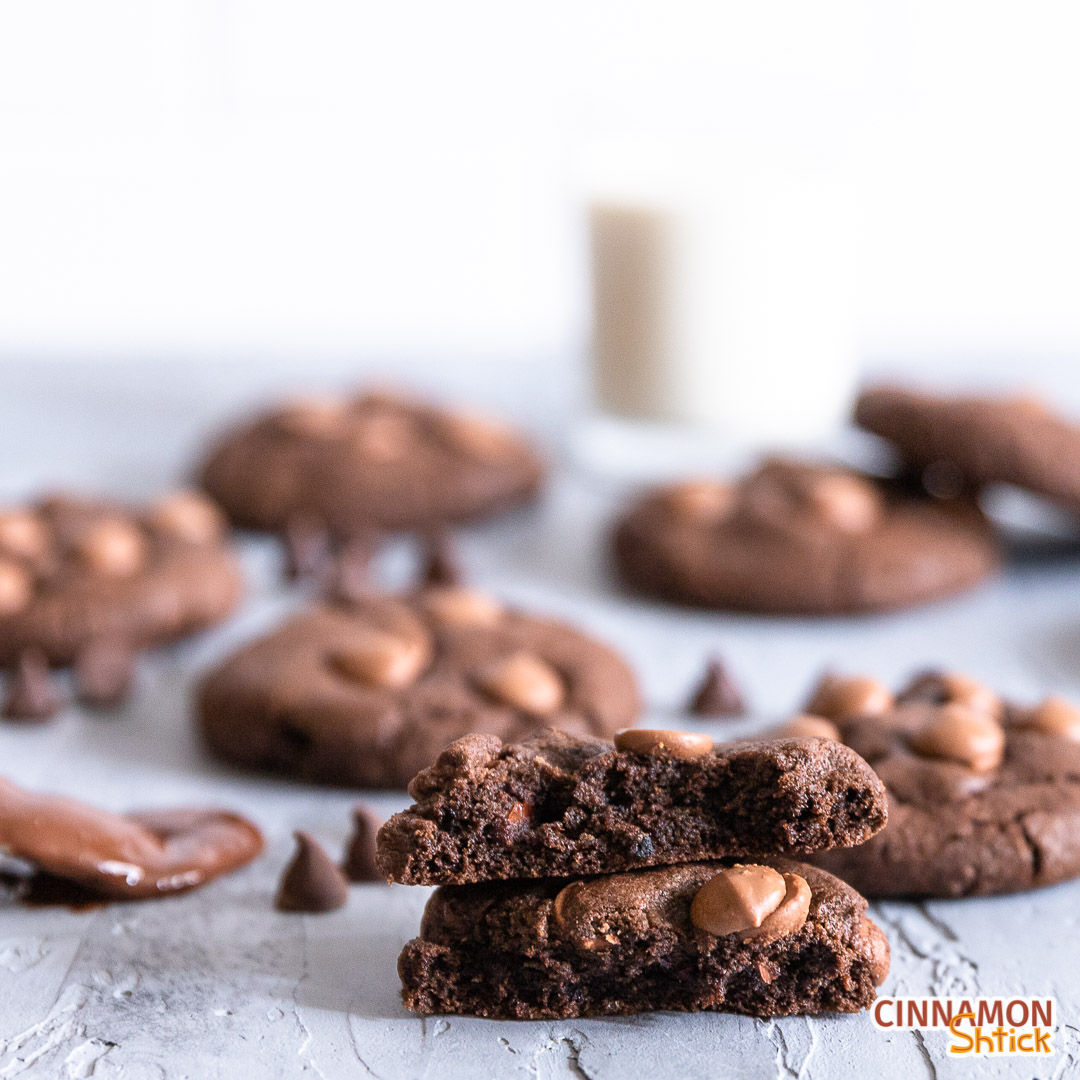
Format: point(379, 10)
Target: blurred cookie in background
point(796, 538)
point(368, 692)
point(375, 461)
point(92, 582)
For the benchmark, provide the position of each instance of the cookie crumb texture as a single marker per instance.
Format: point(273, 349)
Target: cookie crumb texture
point(560, 805)
point(799, 539)
point(377, 460)
point(368, 694)
point(626, 944)
point(76, 572)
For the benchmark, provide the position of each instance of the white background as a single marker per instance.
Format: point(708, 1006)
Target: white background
point(256, 178)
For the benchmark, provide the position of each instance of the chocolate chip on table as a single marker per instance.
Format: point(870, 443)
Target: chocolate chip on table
point(307, 547)
point(524, 682)
point(680, 744)
point(359, 862)
point(964, 735)
point(104, 671)
point(30, 695)
point(441, 566)
point(717, 695)
point(756, 902)
point(839, 697)
point(311, 883)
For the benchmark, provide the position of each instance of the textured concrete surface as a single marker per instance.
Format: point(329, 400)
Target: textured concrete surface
point(218, 984)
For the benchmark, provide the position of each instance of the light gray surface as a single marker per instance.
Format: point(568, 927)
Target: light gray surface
point(217, 984)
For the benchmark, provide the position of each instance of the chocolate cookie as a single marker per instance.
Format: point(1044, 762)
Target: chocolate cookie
point(368, 693)
point(771, 939)
point(80, 578)
point(801, 539)
point(374, 461)
point(1014, 440)
point(984, 796)
point(560, 804)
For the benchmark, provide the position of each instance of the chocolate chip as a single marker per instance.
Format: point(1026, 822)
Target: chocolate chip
point(701, 500)
point(312, 417)
point(104, 671)
point(879, 949)
point(359, 862)
point(961, 734)
point(524, 682)
point(307, 547)
point(846, 502)
point(311, 882)
point(31, 696)
point(441, 565)
point(680, 744)
point(16, 588)
point(477, 436)
point(717, 695)
point(737, 899)
point(840, 698)
point(788, 917)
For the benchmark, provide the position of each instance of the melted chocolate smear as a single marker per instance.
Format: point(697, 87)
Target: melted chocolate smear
point(717, 695)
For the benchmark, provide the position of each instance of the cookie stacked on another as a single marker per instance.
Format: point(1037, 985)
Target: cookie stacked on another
point(581, 878)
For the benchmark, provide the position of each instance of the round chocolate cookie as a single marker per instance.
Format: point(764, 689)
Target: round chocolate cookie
point(78, 573)
point(1015, 440)
point(984, 797)
point(801, 539)
point(375, 461)
point(368, 693)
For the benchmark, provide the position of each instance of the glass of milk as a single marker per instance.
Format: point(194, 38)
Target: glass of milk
point(723, 304)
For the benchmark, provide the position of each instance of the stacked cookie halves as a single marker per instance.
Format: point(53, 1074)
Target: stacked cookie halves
point(583, 878)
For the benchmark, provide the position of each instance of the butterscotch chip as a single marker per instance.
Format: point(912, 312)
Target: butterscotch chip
point(680, 744)
point(477, 436)
point(23, 533)
point(1054, 716)
point(16, 588)
point(113, 547)
point(462, 607)
point(701, 500)
point(788, 916)
point(960, 734)
point(739, 898)
point(525, 682)
point(384, 437)
point(188, 516)
point(313, 417)
point(803, 726)
point(847, 502)
point(838, 698)
point(970, 693)
point(382, 660)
